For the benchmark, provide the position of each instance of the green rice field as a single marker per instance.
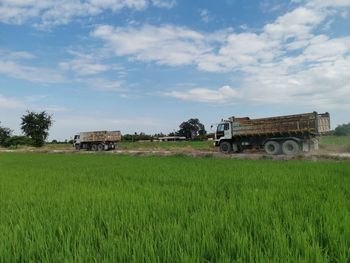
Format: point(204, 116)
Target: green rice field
point(116, 208)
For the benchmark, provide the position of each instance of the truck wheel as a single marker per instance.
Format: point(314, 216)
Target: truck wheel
point(290, 147)
point(77, 147)
point(94, 147)
point(225, 147)
point(100, 147)
point(272, 147)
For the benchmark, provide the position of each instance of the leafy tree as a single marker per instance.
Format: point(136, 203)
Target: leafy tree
point(5, 133)
point(36, 126)
point(191, 128)
point(342, 130)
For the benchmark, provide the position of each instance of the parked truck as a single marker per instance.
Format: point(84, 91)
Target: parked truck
point(97, 140)
point(276, 135)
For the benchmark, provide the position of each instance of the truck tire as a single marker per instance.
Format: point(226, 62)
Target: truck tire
point(290, 147)
point(226, 147)
point(272, 147)
point(94, 147)
point(77, 147)
point(100, 147)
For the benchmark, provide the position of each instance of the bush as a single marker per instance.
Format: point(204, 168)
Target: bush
point(342, 130)
point(14, 141)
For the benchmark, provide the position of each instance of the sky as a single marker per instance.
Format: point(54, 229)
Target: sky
point(148, 65)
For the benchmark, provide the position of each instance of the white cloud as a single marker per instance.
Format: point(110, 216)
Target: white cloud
point(164, 3)
point(169, 45)
point(104, 84)
point(10, 103)
point(84, 64)
point(83, 67)
point(15, 55)
point(318, 75)
point(30, 73)
point(295, 24)
point(325, 84)
point(284, 62)
point(205, 15)
point(89, 63)
point(327, 3)
point(224, 94)
point(322, 48)
point(15, 65)
point(48, 13)
point(174, 46)
point(239, 50)
point(218, 51)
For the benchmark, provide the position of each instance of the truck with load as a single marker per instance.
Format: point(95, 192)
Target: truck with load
point(276, 135)
point(97, 140)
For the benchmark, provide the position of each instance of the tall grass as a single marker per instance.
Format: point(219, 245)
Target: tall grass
point(103, 208)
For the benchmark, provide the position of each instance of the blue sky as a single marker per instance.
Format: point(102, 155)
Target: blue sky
point(148, 65)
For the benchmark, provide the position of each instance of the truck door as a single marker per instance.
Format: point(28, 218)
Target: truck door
point(223, 131)
point(76, 139)
point(227, 130)
point(220, 131)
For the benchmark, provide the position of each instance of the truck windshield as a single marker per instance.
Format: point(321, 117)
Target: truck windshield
point(221, 127)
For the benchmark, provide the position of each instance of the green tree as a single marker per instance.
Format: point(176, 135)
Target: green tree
point(342, 130)
point(191, 129)
point(5, 133)
point(36, 126)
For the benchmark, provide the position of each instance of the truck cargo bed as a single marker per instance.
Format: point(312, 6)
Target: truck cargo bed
point(312, 123)
point(100, 136)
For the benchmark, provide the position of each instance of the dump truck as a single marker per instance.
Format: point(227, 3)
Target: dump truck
point(288, 134)
point(97, 140)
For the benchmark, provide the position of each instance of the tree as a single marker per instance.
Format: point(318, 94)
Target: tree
point(36, 126)
point(5, 133)
point(342, 130)
point(191, 128)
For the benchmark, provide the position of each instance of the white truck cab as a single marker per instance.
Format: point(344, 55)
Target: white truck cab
point(223, 132)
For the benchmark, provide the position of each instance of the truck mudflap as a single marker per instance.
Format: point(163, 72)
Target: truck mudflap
point(310, 145)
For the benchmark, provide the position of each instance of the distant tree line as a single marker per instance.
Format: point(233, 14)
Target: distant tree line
point(192, 129)
point(35, 127)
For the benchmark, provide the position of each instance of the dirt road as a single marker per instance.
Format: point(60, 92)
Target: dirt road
point(314, 156)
